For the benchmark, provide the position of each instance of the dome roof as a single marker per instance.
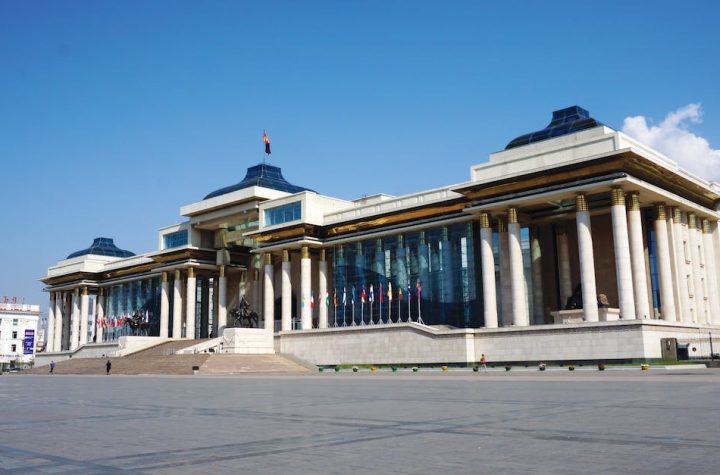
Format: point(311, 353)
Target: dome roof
point(102, 247)
point(263, 175)
point(564, 121)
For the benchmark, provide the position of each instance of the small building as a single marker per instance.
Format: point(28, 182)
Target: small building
point(574, 243)
point(18, 334)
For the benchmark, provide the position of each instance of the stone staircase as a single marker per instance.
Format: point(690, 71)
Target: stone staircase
point(242, 364)
point(161, 359)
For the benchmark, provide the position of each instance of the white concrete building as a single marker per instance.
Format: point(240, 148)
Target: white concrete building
point(576, 242)
point(18, 334)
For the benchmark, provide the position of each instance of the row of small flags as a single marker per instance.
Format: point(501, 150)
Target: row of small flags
point(368, 297)
point(116, 322)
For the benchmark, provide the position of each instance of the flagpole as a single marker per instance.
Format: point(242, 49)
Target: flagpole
point(409, 314)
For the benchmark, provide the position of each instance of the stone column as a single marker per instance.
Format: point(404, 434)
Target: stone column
point(99, 315)
point(637, 258)
point(537, 280)
point(587, 259)
point(222, 303)
point(623, 263)
point(488, 272)
point(681, 268)
point(190, 301)
point(563, 257)
point(710, 272)
point(269, 294)
point(520, 317)
point(75, 320)
point(177, 305)
point(322, 290)
point(84, 303)
point(667, 301)
point(164, 305)
point(50, 338)
point(695, 242)
point(505, 282)
point(286, 289)
point(305, 282)
point(59, 320)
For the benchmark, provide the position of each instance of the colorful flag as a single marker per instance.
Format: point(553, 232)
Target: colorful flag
point(312, 300)
point(327, 298)
point(409, 291)
point(344, 296)
point(390, 292)
point(353, 295)
point(266, 141)
point(418, 288)
point(381, 293)
point(372, 294)
point(362, 295)
point(400, 294)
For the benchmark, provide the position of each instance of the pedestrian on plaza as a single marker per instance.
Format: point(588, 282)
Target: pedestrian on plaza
point(483, 362)
point(52, 367)
point(108, 365)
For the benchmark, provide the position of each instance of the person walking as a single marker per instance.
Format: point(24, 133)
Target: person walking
point(483, 362)
point(52, 367)
point(108, 365)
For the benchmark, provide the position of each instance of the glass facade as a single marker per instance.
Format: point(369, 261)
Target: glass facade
point(282, 214)
point(130, 298)
point(441, 262)
point(176, 239)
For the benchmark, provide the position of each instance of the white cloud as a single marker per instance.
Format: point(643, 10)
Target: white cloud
point(673, 138)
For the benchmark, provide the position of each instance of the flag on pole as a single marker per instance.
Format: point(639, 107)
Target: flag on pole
point(335, 298)
point(327, 298)
point(389, 291)
point(266, 141)
point(400, 294)
point(381, 293)
point(372, 294)
point(362, 295)
point(353, 295)
point(312, 300)
point(418, 289)
point(344, 296)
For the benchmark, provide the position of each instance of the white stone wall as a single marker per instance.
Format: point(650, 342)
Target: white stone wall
point(414, 344)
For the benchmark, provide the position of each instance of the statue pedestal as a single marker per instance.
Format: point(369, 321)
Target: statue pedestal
point(605, 314)
point(249, 341)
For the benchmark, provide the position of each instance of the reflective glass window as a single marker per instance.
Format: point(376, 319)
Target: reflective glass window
point(282, 214)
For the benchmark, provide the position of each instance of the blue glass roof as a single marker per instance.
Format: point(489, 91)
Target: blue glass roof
point(564, 121)
point(263, 175)
point(102, 247)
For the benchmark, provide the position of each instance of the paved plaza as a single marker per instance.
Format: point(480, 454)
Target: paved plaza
point(661, 421)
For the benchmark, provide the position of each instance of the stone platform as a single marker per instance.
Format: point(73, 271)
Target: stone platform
point(420, 344)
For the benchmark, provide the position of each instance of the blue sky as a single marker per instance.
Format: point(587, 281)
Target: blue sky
point(116, 113)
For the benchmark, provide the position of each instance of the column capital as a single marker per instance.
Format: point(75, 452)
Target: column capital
point(617, 196)
point(634, 201)
point(305, 252)
point(512, 216)
point(692, 221)
point(177, 274)
point(706, 226)
point(164, 277)
point(322, 254)
point(222, 271)
point(661, 212)
point(581, 203)
point(268, 259)
point(101, 291)
point(677, 216)
point(76, 291)
point(286, 255)
point(484, 220)
point(191, 272)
